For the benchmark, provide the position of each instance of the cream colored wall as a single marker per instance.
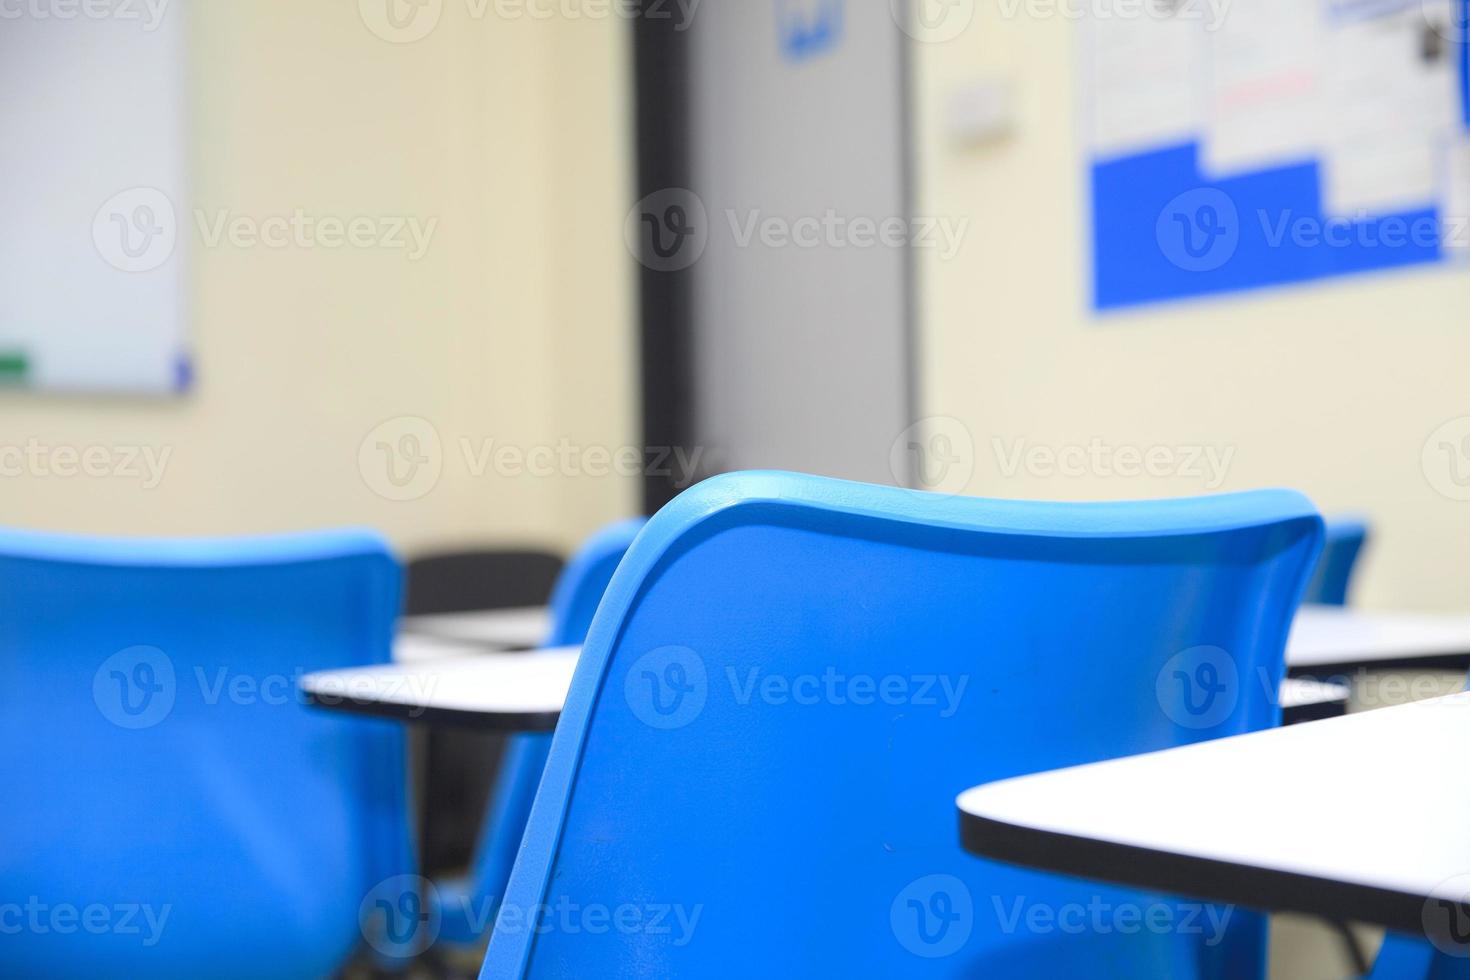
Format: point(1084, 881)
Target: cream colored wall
point(1333, 389)
point(514, 326)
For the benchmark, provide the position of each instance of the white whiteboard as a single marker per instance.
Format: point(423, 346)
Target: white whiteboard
point(92, 149)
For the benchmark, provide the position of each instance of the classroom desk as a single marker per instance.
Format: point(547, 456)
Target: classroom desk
point(439, 684)
point(508, 692)
point(409, 648)
point(1323, 638)
point(505, 629)
point(1311, 700)
point(1277, 819)
point(1326, 639)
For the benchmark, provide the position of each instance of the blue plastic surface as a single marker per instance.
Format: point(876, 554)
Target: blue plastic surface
point(468, 907)
point(790, 679)
point(172, 809)
point(1334, 574)
point(1412, 958)
point(1404, 958)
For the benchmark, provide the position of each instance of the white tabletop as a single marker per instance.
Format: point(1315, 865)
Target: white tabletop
point(410, 648)
point(504, 691)
point(1338, 636)
point(1276, 819)
point(507, 629)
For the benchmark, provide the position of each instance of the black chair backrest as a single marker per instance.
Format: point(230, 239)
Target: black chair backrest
point(460, 581)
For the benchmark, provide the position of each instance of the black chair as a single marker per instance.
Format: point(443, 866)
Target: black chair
point(461, 581)
point(458, 767)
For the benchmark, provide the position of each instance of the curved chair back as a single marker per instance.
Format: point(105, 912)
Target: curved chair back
point(1333, 576)
point(583, 582)
point(173, 810)
point(467, 914)
point(790, 678)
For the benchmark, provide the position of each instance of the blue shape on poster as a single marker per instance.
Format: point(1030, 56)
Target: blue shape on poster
point(183, 372)
point(807, 28)
point(1163, 230)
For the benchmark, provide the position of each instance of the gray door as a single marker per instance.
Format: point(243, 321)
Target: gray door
point(801, 348)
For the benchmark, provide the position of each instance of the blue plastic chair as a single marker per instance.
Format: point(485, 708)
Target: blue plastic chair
point(468, 906)
point(1334, 573)
point(172, 808)
point(790, 678)
point(1410, 958)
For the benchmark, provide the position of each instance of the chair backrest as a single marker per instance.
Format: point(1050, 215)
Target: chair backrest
point(578, 592)
point(463, 581)
point(580, 588)
point(1334, 573)
point(790, 678)
point(173, 810)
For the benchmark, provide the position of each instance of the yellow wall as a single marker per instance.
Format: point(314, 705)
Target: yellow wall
point(1332, 389)
point(514, 326)
point(517, 324)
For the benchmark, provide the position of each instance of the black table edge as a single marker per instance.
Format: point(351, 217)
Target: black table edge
point(1203, 878)
point(1315, 711)
point(414, 714)
point(1346, 669)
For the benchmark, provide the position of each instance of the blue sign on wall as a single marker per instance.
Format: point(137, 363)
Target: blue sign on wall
point(807, 28)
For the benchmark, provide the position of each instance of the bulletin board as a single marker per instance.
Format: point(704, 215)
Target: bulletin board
point(1241, 144)
point(93, 249)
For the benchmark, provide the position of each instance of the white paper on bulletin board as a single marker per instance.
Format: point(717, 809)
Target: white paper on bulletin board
point(1391, 91)
point(1139, 72)
point(1263, 97)
point(1456, 178)
point(93, 293)
point(1367, 88)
